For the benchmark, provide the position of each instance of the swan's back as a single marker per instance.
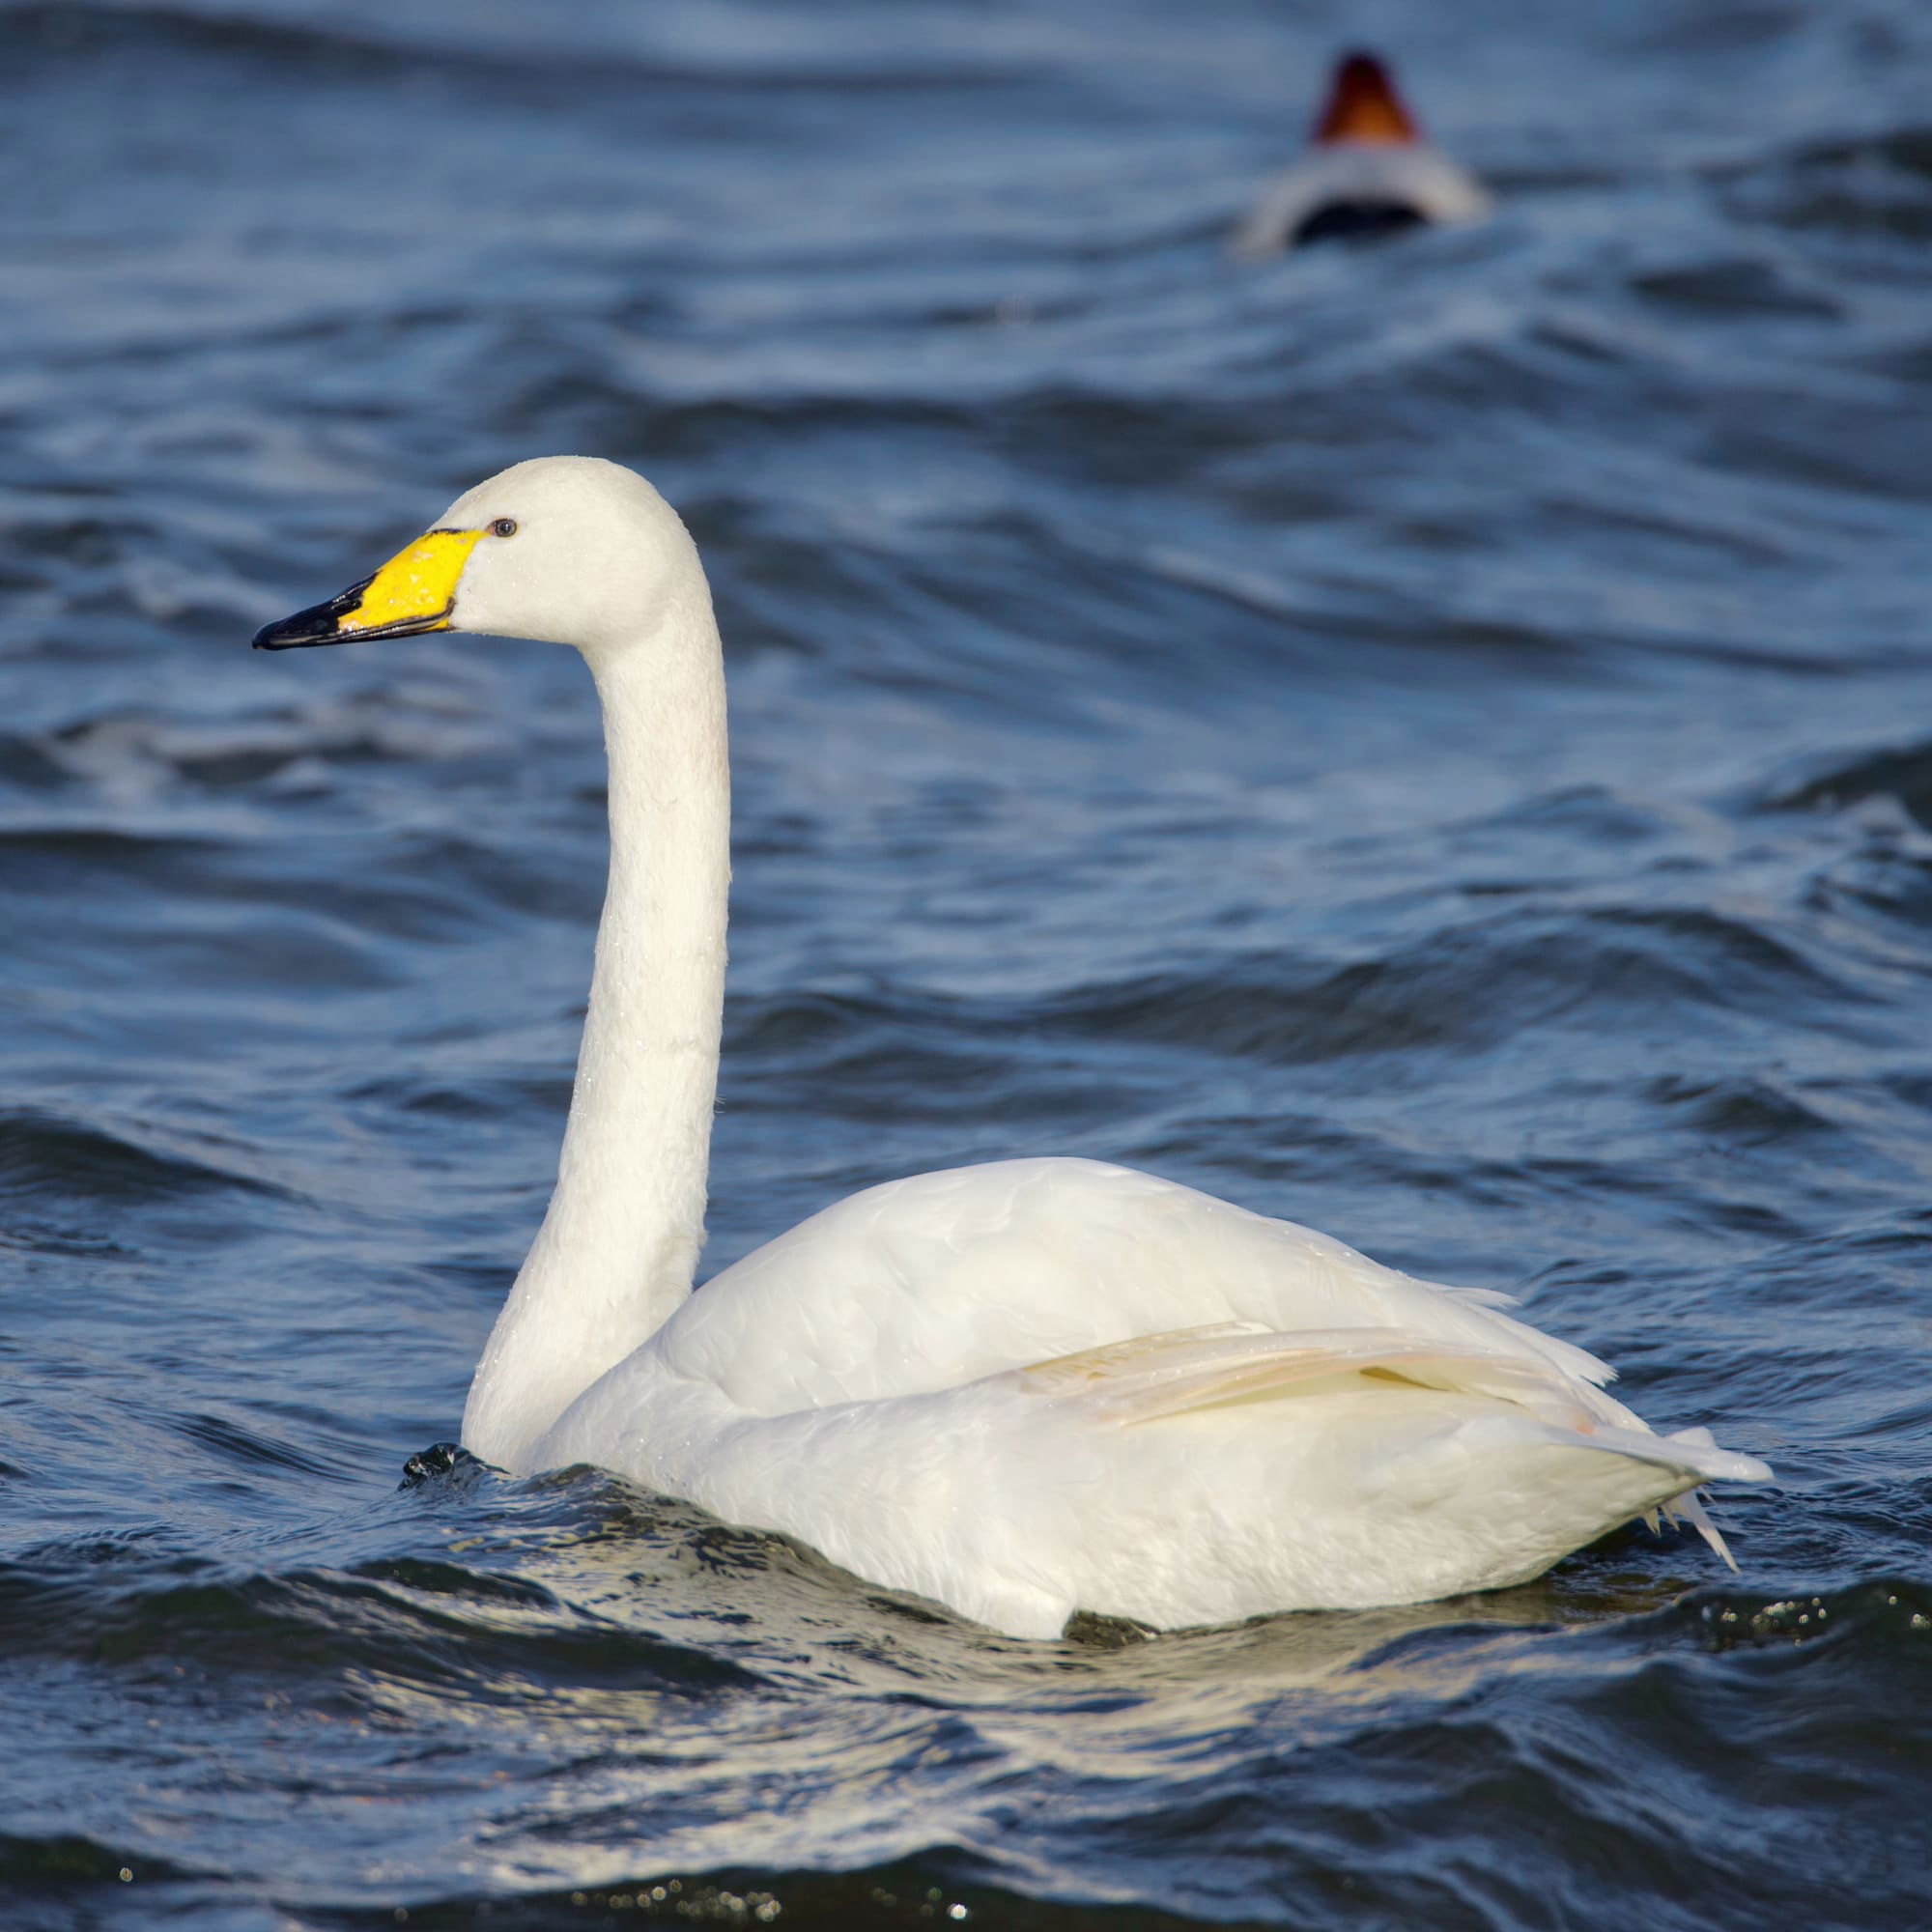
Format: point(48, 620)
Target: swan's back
point(941, 1279)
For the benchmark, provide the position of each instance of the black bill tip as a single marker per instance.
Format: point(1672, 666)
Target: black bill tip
point(293, 634)
point(319, 624)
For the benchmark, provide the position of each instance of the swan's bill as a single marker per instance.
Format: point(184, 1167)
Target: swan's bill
point(414, 592)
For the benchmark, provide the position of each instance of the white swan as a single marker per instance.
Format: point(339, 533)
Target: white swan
point(1022, 1389)
point(1368, 171)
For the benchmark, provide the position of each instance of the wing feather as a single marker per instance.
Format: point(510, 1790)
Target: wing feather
point(1152, 1376)
point(942, 1279)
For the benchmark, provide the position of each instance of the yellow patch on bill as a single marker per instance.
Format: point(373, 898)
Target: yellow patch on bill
point(415, 583)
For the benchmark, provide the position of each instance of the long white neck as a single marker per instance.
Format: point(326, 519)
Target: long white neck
point(616, 1250)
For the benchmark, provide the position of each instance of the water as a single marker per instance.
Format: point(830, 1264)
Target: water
point(1428, 740)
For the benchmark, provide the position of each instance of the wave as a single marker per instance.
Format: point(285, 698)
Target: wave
point(1439, 1765)
point(44, 1154)
point(371, 48)
point(1900, 772)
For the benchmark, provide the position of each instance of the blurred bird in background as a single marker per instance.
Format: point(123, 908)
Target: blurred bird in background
point(1367, 172)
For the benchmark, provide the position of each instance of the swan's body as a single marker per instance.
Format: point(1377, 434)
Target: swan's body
point(1022, 1389)
point(1367, 171)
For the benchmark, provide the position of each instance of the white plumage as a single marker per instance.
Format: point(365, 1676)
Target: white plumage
point(1045, 1385)
point(1021, 1389)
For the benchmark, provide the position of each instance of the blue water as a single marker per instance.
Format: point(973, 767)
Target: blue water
point(1432, 740)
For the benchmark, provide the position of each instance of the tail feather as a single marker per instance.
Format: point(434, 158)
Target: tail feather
point(1691, 1506)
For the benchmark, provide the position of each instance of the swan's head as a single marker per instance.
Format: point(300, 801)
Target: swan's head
point(568, 549)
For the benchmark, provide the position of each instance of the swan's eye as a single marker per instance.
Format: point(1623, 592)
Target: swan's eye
point(504, 526)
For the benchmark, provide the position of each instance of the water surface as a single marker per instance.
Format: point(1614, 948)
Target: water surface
point(1431, 740)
